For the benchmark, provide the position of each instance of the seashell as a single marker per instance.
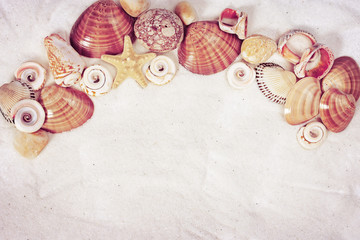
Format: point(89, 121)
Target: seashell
point(302, 101)
point(315, 62)
point(240, 75)
point(30, 145)
point(10, 94)
point(65, 63)
point(345, 76)
point(162, 70)
point(312, 135)
point(234, 21)
point(101, 29)
point(28, 115)
point(293, 44)
point(65, 108)
point(135, 7)
point(159, 30)
point(336, 109)
point(31, 73)
point(186, 12)
point(274, 82)
point(257, 49)
point(206, 49)
point(96, 80)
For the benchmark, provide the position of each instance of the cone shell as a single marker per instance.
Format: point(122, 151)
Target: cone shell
point(336, 109)
point(31, 73)
point(206, 49)
point(65, 108)
point(101, 29)
point(345, 76)
point(302, 102)
point(257, 49)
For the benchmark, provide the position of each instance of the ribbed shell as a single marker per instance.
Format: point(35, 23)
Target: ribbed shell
point(100, 29)
point(206, 49)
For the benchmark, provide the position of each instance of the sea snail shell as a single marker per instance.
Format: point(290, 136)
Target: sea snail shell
point(162, 70)
point(31, 73)
point(312, 135)
point(28, 115)
point(234, 22)
point(240, 75)
point(96, 80)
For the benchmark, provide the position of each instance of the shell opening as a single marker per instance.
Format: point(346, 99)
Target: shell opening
point(29, 75)
point(96, 79)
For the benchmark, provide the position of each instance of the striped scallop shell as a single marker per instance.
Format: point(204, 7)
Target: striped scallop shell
point(206, 49)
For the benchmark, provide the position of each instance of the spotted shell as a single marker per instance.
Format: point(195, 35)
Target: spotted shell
point(28, 115)
point(257, 49)
point(312, 135)
point(97, 80)
point(31, 73)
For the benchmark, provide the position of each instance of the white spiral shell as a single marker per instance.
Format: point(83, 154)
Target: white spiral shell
point(161, 71)
point(97, 80)
point(31, 73)
point(28, 115)
point(240, 75)
point(312, 135)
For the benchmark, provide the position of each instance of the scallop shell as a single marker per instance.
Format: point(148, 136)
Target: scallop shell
point(162, 70)
point(97, 80)
point(31, 73)
point(65, 108)
point(315, 62)
point(186, 12)
point(234, 22)
point(28, 115)
point(101, 29)
point(336, 109)
point(65, 63)
point(240, 75)
point(10, 94)
point(345, 76)
point(293, 44)
point(207, 49)
point(312, 135)
point(134, 7)
point(302, 102)
point(30, 145)
point(257, 49)
point(274, 82)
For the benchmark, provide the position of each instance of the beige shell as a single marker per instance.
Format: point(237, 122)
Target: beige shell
point(312, 135)
point(186, 12)
point(28, 115)
point(240, 75)
point(31, 73)
point(135, 7)
point(29, 145)
point(96, 81)
point(257, 49)
point(234, 22)
point(161, 70)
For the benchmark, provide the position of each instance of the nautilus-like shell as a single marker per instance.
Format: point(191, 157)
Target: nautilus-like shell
point(257, 49)
point(10, 94)
point(240, 75)
point(234, 21)
point(293, 44)
point(28, 115)
point(274, 82)
point(207, 49)
point(345, 76)
point(65, 108)
point(30, 145)
point(135, 7)
point(65, 63)
point(186, 12)
point(31, 73)
point(97, 80)
point(336, 109)
point(312, 135)
point(101, 29)
point(302, 101)
point(315, 62)
point(161, 70)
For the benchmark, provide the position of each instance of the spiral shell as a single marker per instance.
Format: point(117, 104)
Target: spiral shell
point(312, 135)
point(186, 12)
point(234, 22)
point(240, 75)
point(162, 70)
point(31, 73)
point(134, 7)
point(28, 115)
point(257, 49)
point(96, 80)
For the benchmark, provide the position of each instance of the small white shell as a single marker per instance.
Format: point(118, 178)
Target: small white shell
point(162, 70)
point(28, 115)
point(31, 73)
point(240, 75)
point(97, 80)
point(312, 135)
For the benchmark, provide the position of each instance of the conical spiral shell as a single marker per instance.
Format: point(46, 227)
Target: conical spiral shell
point(65, 108)
point(206, 49)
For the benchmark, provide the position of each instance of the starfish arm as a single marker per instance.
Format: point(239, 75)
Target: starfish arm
point(109, 59)
point(144, 58)
point(139, 77)
point(119, 78)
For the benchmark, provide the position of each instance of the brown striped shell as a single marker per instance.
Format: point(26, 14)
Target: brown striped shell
point(206, 49)
point(100, 29)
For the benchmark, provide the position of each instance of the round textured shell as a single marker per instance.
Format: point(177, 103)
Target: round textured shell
point(206, 49)
point(257, 49)
point(65, 108)
point(100, 29)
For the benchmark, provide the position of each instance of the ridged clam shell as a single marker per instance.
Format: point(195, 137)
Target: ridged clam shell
point(28, 115)
point(101, 29)
point(161, 71)
point(135, 7)
point(186, 12)
point(302, 102)
point(240, 75)
point(312, 135)
point(234, 22)
point(345, 76)
point(336, 109)
point(31, 73)
point(257, 49)
point(65, 108)
point(207, 49)
point(97, 80)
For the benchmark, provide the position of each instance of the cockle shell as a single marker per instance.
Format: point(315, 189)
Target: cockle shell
point(65, 63)
point(10, 94)
point(30, 145)
point(336, 109)
point(186, 12)
point(31, 73)
point(162, 70)
point(206, 49)
point(240, 75)
point(293, 44)
point(257, 49)
point(28, 115)
point(234, 21)
point(159, 30)
point(65, 108)
point(312, 135)
point(345, 76)
point(97, 80)
point(274, 82)
point(135, 7)
point(302, 101)
point(101, 29)
point(315, 62)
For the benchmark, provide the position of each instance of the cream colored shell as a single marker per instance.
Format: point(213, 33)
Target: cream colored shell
point(257, 49)
point(312, 135)
point(134, 7)
point(240, 75)
point(161, 70)
point(186, 12)
point(97, 80)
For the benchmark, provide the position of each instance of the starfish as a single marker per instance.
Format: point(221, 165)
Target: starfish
point(129, 64)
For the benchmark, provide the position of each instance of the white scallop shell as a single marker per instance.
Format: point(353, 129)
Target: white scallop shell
point(28, 115)
point(161, 71)
point(312, 135)
point(97, 80)
point(240, 75)
point(31, 73)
